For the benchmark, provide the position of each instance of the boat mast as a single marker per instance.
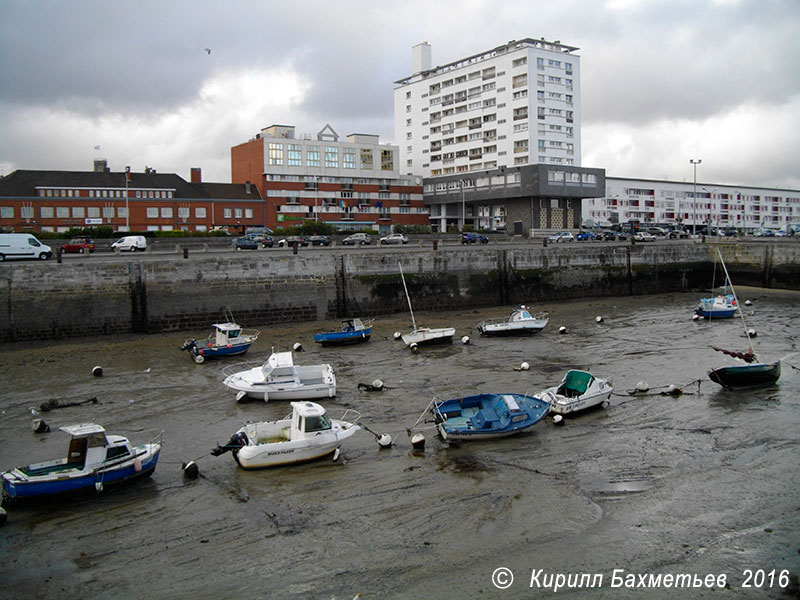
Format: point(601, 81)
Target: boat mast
point(735, 299)
point(411, 310)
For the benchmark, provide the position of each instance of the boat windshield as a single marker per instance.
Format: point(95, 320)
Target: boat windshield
point(320, 423)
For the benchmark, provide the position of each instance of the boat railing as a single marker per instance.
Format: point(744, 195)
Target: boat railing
point(229, 370)
point(355, 418)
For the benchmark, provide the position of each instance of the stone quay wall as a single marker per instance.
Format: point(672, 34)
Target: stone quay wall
point(48, 300)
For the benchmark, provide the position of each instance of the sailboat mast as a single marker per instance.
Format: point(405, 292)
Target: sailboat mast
point(735, 299)
point(411, 310)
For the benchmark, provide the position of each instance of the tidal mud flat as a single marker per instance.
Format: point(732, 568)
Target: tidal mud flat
point(705, 483)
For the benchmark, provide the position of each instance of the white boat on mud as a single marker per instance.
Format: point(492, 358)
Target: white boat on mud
point(307, 434)
point(424, 336)
point(520, 321)
point(578, 390)
point(280, 379)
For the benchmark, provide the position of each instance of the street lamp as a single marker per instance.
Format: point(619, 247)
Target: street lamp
point(694, 163)
point(463, 207)
point(127, 210)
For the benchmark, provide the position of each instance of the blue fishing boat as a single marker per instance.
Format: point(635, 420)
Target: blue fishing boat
point(227, 339)
point(94, 460)
point(721, 306)
point(353, 331)
point(485, 416)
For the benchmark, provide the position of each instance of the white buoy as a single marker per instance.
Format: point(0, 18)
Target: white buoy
point(465, 340)
point(642, 386)
point(558, 420)
point(397, 335)
point(39, 426)
point(384, 440)
point(298, 347)
point(190, 470)
point(3, 516)
point(199, 359)
point(598, 319)
point(674, 390)
point(418, 441)
point(97, 371)
point(524, 366)
point(747, 303)
point(414, 347)
point(562, 330)
point(377, 384)
point(752, 332)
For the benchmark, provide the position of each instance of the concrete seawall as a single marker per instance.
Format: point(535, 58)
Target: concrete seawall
point(51, 300)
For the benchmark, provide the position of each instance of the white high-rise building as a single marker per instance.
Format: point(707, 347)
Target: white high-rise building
point(516, 104)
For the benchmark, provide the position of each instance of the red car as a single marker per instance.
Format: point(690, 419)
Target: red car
point(79, 245)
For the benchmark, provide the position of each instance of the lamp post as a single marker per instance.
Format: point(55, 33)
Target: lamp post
point(463, 207)
point(694, 163)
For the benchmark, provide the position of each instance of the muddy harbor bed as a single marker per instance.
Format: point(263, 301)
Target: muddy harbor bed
point(704, 483)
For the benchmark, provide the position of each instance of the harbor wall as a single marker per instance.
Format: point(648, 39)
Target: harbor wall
point(48, 300)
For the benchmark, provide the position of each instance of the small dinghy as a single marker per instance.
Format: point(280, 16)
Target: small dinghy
point(578, 390)
point(717, 307)
point(307, 434)
point(227, 339)
point(485, 416)
point(520, 321)
point(94, 460)
point(280, 379)
point(353, 331)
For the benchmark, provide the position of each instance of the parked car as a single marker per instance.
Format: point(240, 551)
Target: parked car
point(644, 236)
point(394, 238)
point(564, 236)
point(292, 240)
point(611, 236)
point(675, 234)
point(267, 242)
point(22, 245)
point(245, 243)
point(657, 231)
point(256, 237)
point(79, 245)
point(131, 243)
point(357, 239)
point(470, 237)
point(319, 240)
point(584, 236)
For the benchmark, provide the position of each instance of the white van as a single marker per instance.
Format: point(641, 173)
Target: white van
point(23, 245)
point(130, 242)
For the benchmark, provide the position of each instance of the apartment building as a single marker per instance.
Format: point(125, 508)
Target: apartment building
point(514, 105)
point(691, 205)
point(125, 200)
point(350, 183)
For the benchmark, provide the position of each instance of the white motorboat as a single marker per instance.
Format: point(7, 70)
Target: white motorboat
point(520, 321)
point(280, 379)
point(424, 336)
point(307, 434)
point(578, 390)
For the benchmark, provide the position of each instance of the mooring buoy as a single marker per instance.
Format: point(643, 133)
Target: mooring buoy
point(558, 420)
point(190, 470)
point(598, 319)
point(465, 340)
point(418, 441)
point(752, 332)
point(39, 426)
point(397, 335)
point(414, 347)
point(642, 386)
point(384, 440)
point(97, 371)
point(562, 330)
point(298, 347)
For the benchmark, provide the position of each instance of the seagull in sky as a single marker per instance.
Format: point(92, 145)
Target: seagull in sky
point(207, 50)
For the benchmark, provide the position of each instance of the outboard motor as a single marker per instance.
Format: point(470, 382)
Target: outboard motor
point(189, 344)
point(238, 440)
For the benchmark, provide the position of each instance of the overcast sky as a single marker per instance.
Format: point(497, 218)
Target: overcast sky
point(662, 81)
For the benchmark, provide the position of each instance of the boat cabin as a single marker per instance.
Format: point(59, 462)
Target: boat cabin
point(520, 314)
point(308, 419)
point(226, 333)
point(90, 445)
point(279, 367)
point(575, 383)
point(352, 325)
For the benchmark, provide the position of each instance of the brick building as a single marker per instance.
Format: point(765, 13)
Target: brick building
point(351, 184)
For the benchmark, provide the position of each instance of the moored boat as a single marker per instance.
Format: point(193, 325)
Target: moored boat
point(353, 331)
point(280, 379)
point(577, 391)
point(227, 339)
point(520, 321)
point(308, 433)
point(717, 307)
point(423, 336)
point(94, 460)
point(485, 416)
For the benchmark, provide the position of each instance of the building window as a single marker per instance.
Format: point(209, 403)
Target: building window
point(78, 212)
point(331, 157)
point(312, 156)
point(166, 212)
point(47, 212)
point(275, 154)
point(200, 212)
point(184, 213)
point(295, 156)
point(62, 212)
point(7, 212)
point(349, 158)
point(152, 212)
point(248, 213)
point(227, 213)
point(93, 212)
point(387, 160)
point(520, 61)
point(237, 213)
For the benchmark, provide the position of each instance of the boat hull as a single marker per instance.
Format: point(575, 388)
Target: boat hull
point(17, 486)
point(476, 418)
point(746, 376)
point(499, 329)
point(220, 351)
point(429, 337)
point(343, 338)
